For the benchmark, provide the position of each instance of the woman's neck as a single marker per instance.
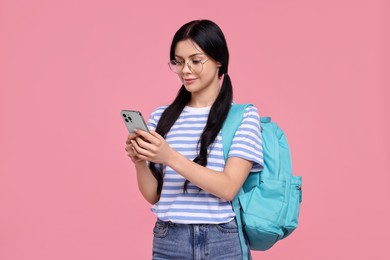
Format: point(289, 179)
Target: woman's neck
point(200, 103)
point(206, 97)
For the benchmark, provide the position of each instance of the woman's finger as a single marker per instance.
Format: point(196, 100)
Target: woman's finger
point(156, 135)
point(145, 145)
point(130, 150)
point(147, 136)
point(140, 151)
point(134, 156)
point(131, 137)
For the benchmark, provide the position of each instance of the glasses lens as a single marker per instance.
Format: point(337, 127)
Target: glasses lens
point(196, 66)
point(173, 66)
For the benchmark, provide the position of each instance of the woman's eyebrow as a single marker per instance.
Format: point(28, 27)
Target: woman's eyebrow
point(192, 55)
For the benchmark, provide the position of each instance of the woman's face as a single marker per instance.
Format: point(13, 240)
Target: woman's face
point(195, 79)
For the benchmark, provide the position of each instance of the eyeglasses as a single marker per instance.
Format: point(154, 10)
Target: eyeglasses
point(195, 66)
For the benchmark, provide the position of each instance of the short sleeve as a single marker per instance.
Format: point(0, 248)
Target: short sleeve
point(155, 117)
point(247, 142)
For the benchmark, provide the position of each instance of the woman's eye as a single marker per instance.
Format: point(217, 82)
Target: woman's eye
point(178, 63)
point(196, 62)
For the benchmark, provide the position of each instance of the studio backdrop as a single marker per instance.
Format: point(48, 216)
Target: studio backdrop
point(67, 68)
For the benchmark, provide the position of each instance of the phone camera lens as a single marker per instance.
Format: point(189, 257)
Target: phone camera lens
point(130, 119)
point(126, 120)
point(124, 115)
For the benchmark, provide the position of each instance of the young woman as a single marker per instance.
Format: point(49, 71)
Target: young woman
point(180, 165)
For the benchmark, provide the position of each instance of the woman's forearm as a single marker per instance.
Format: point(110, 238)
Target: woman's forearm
point(224, 184)
point(147, 183)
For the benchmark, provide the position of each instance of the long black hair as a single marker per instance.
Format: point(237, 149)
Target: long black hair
point(209, 37)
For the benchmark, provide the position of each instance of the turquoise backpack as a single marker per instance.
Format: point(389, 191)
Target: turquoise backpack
point(267, 205)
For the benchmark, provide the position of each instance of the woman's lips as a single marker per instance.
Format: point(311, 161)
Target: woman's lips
point(188, 81)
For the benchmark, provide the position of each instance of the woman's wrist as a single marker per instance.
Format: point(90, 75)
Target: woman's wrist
point(141, 164)
point(174, 159)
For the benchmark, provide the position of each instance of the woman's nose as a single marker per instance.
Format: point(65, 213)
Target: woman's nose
point(186, 68)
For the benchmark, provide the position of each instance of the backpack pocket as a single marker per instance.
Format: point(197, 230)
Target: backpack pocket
point(295, 200)
point(262, 213)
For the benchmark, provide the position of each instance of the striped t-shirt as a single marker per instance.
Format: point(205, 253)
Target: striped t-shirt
point(198, 206)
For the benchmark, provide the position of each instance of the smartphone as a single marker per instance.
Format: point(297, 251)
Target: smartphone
point(134, 120)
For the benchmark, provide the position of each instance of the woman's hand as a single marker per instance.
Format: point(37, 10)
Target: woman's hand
point(130, 149)
point(147, 183)
point(151, 147)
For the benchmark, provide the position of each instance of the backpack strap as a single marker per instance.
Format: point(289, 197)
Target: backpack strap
point(231, 124)
point(229, 128)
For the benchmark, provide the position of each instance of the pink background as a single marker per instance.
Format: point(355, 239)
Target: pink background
point(67, 189)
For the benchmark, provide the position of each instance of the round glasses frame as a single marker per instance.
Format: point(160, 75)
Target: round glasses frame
point(178, 66)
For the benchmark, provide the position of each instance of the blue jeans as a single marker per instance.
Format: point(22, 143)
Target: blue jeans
point(196, 241)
